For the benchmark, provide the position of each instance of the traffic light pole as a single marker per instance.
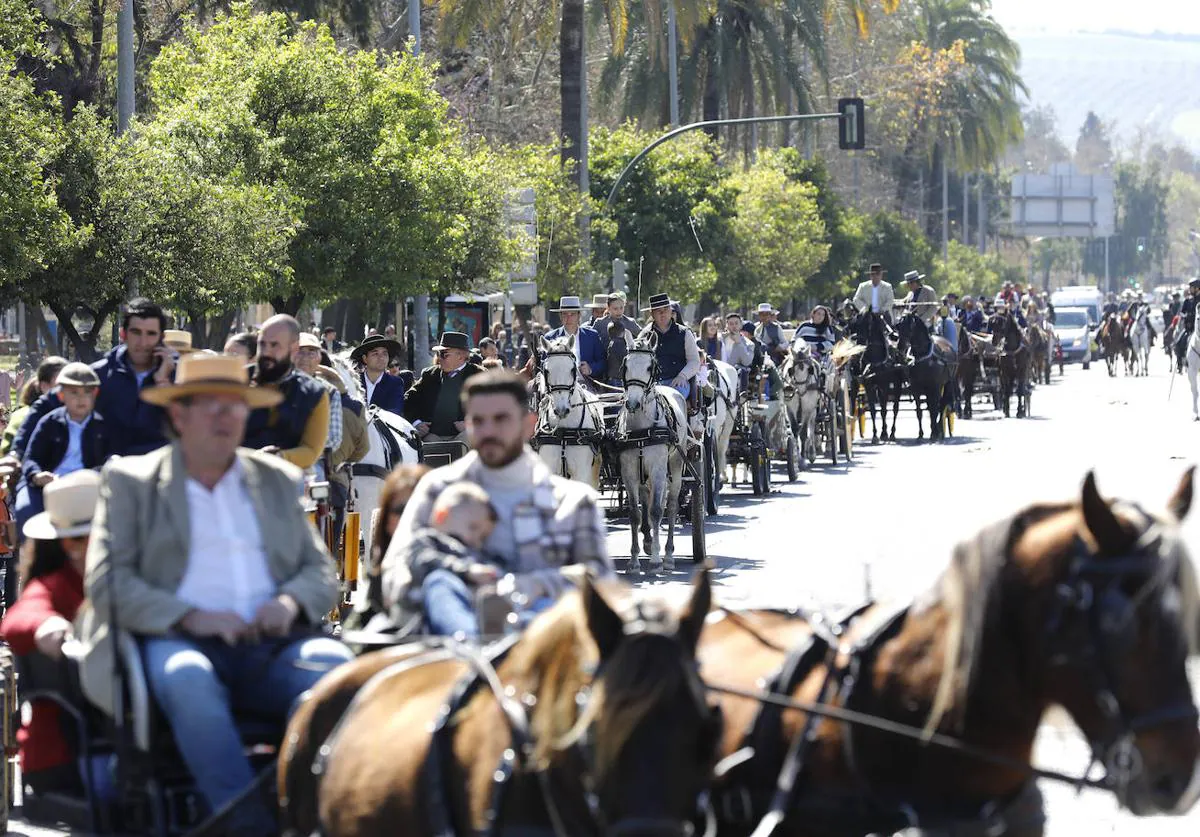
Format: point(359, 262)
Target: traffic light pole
point(712, 123)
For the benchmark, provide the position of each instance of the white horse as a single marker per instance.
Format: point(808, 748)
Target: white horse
point(724, 379)
point(1139, 336)
point(570, 417)
point(802, 394)
point(393, 443)
point(1193, 369)
point(653, 471)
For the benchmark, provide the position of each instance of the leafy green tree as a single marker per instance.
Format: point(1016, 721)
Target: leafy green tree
point(674, 211)
point(843, 227)
point(390, 198)
point(779, 236)
point(1093, 149)
point(965, 271)
point(31, 223)
point(897, 244)
point(1141, 194)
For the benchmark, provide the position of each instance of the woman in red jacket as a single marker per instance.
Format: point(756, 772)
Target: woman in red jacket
point(52, 564)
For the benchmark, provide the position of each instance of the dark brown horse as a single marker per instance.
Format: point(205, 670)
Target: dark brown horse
point(1090, 606)
point(594, 722)
point(1014, 361)
point(1114, 344)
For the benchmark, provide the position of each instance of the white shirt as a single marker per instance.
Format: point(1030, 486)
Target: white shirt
point(72, 460)
point(370, 385)
point(875, 298)
point(227, 564)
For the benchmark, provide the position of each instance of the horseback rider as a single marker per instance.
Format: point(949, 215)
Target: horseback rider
point(543, 522)
point(676, 349)
point(972, 317)
point(922, 299)
point(201, 551)
point(383, 390)
point(1187, 315)
point(298, 427)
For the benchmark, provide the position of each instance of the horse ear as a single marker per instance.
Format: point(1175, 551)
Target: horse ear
point(605, 626)
point(1181, 501)
point(1099, 517)
point(691, 620)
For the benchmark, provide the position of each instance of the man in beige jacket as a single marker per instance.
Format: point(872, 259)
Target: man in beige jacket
point(875, 294)
point(202, 552)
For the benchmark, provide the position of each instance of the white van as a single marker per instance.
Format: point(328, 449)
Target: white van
point(1088, 297)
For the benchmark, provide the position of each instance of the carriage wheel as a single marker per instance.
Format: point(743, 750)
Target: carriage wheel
point(793, 458)
point(756, 455)
point(831, 433)
point(712, 487)
point(699, 507)
point(764, 463)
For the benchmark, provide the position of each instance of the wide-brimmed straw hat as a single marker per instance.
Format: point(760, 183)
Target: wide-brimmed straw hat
point(599, 301)
point(913, 276)
point(70, 504)
point(309, 340)
point(765, 308)
point(376, 341)
point(179, 340)
point(201, 374)
point(569, 303)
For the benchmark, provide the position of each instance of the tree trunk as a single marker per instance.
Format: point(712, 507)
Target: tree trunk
point(353, 330)
point(571, 83)
point(287, 305)
point(35, 317)
point(219, 328)
point(711, 103)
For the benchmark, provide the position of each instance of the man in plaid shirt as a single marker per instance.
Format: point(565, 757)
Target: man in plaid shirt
point(308, 359)
point(544, 522)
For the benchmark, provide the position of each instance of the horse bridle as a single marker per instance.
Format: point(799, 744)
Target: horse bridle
point(647, 385)
point(639, 629)
point(545, 373)
point(1092, 592)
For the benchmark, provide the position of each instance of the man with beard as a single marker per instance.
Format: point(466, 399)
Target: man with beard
point(544, 522)
point(297, 428)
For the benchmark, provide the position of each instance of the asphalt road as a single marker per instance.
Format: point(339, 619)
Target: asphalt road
point(885, 524)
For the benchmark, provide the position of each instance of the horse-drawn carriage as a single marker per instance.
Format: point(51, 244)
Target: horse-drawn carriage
point(649, 451)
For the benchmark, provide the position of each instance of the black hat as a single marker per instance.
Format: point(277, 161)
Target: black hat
point(453, 340)
point(375, 341)
point(875, 266)
point(1194, 282)
point(659, 301)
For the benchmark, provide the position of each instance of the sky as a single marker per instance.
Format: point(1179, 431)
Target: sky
point(1173, 16)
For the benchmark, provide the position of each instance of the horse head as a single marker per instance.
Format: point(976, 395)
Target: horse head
point(643, 729)
point(639, 372)
point(1104, 599)
point(560, 374)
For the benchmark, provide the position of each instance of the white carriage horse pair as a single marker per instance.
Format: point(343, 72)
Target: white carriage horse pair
point(651, 435)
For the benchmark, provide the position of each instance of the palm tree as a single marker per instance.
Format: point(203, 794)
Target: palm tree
point(981, 107)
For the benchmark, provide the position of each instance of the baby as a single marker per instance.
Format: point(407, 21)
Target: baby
point(448, 562)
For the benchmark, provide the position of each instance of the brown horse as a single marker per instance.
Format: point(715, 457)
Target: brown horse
point(592, 722)
point(1090, 606)
point(1114, 344)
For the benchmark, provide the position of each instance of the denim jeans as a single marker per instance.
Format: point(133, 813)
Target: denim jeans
point(449, 608)
point(200, 684)
point(684, 389)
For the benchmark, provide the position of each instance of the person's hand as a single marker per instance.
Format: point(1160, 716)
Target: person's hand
point(422, 430)
point(480, 574)
point(51, 635)
point(460, 426)
point(273, 449)
point(678, 381)
point(220, 623)
point(276, 616)
point(42, 478)
point(585, 368)
point(166, 355)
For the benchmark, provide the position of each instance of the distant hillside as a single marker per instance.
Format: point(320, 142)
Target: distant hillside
point(1134, 79)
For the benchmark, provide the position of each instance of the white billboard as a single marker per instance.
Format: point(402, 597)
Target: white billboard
point(1063, 204)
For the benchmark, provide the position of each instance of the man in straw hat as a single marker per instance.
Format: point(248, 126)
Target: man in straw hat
point(598, 308)
point(874, 294)
point(589, 347)
point(383, 390)
point(678, 354)
point(770, 333)
point(296, 428)
point(201, 550)
point(434, 403)
point(922, 300)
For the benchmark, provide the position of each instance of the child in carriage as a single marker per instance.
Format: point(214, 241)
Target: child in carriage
point(447, 560)
point(618, 347)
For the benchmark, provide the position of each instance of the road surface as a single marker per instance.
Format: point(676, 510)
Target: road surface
point(886, 524)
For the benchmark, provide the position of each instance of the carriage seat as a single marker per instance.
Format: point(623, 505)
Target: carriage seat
point(437, 454)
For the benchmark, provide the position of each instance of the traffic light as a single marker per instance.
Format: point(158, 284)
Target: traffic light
point(852, 126)
point(1141, 244)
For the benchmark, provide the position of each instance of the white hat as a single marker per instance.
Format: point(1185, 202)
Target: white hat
point(568, 303)
point(179, 340)
point(70, 503)
point(766, 308)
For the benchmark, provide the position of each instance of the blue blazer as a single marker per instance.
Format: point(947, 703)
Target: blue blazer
point(591, 349)
point(48, 444)
point(388, 394)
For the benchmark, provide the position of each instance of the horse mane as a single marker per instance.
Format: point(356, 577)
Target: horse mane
point(845, 350)
point(555, 662)
point(970, 591)
point(343, 366)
